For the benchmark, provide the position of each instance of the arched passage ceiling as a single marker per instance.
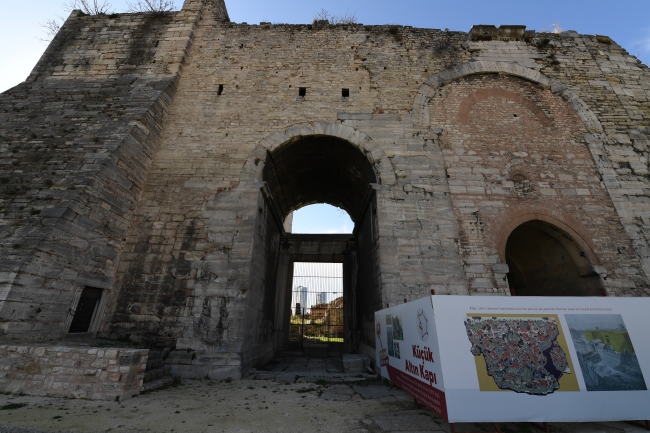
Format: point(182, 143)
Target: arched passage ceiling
point(545, 261)
point(318, 169)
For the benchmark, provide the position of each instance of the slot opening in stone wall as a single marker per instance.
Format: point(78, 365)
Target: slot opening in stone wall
point(86, 310)
point(302, 92)
point(345, 93)
point(220, 89)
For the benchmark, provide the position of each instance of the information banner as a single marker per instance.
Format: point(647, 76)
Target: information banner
point(510, 359)
point(407, 351)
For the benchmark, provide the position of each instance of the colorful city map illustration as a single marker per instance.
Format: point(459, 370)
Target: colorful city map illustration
point(521, 353)
point(605, 352)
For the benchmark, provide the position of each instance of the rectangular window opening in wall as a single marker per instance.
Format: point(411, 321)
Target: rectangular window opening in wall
point(317, 303)
point(220, 89)
point(302, 91)
point(86, 310)
point(345, 93)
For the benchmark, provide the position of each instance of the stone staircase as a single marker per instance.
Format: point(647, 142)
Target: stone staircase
point(286, 367)
point(157, 375)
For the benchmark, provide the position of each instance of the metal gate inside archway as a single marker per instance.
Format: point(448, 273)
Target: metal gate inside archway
point(317, 303)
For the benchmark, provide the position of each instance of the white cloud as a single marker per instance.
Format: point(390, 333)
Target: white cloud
point(641, 48)
point(344, 229)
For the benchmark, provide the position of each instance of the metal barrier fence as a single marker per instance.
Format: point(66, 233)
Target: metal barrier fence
point(317, 303)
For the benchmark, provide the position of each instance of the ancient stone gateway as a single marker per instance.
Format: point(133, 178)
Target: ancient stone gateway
point(150, 164)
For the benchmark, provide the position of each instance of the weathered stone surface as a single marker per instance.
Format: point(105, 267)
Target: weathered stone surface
point(372, 392)
point(72, 372)
point(285, 377)
point(405, 421)
point(355, 363)
point(158, 157)
point(340, 389)
point(335, 396)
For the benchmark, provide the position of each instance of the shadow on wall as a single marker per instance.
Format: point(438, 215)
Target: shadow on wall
point(545, 261)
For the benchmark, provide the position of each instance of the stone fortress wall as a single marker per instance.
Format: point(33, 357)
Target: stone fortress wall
point(110, 374)
point(134, 159)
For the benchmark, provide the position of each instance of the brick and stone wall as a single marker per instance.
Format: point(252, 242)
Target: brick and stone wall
point(239, 97)
point(513, 149)
point(76, 140)
point(198, 213)
point(72, 372)
point(133, 160)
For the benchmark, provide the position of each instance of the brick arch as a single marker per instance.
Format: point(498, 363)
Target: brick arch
point(481, 94)
point(431, 85)
point(382, 165)
point(512, 218)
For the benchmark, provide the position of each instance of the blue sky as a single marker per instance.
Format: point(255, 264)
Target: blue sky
point(321, 218)
point(625, 21)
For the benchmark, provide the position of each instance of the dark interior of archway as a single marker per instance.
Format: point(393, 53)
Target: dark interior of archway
point(324, 169)
point(319, 169)
point(544, 260)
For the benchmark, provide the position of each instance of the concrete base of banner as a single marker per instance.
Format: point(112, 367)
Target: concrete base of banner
point(643, 424)
point(541, 426)
point(452, 425)
point(453, 429)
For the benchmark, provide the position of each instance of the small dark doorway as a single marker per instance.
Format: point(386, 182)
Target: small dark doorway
point(86, 310)
point(545, 261)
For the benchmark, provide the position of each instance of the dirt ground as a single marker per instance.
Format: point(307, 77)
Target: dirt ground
point(199, 406)
point(248, 406)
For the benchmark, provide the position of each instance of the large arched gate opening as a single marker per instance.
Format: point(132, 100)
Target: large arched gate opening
point(544, 260)
point(321, 169)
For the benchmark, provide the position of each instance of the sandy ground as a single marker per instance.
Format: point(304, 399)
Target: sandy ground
point(200, 406)
point(249, 406)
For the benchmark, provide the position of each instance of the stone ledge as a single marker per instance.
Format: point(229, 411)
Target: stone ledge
point(354, 116)
point(93, 373)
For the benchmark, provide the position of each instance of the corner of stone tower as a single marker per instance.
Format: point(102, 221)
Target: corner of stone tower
point(219, 10)
point(215, 7)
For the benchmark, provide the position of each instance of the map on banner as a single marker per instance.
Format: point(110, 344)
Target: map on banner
point(521, 353)
point(423, 325)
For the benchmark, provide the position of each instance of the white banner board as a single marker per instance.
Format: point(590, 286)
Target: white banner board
point(510, 359)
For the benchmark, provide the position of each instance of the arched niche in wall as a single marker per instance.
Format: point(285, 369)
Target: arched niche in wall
point(544, 260)
point(436, 81)
point(510, 157)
